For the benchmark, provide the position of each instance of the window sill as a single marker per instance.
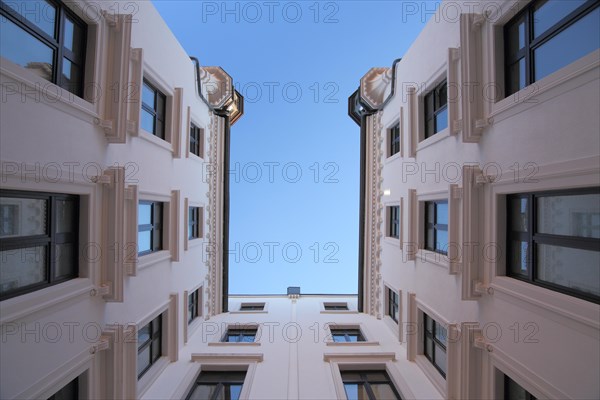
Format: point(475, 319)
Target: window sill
point(339, 312)
point(430, 141)
point(151, 375)
point(148, 260)
point(352, 344)
point(196, 158)
point(197, 242)
point(431, 257)
point(30, 303)
point(432, 373)
point(249, 312)
point(392, 241)
point(569, 307)
point(240, 344)
point(163, 144)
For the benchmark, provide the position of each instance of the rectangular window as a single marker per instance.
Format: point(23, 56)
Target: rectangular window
point(371, 385)
point(218, 385)
point(512, 390)
point(393, 304)
point(194, 222)
point(252, 307)
point(46, 38)
point(240, 335)
point(335, 306)
point(436, 226)
point(39, 235)
point(434, 343)
point(436, 110)
point(69, 391)
point(153, 110)
point(149, 345)
point(194, 305)
point(150, 220)
point(197, 141)
point(394, 140)
point(547, 36)
point(393, 213)
point(347, 335)
point(553, 241)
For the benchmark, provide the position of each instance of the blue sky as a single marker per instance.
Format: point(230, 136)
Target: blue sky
point(295, 152)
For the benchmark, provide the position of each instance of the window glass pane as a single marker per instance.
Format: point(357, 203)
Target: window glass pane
point(513, 391)
point(144, 214)
point(339, 338)
point(516, 76)
point(429, 347)
point(73, 38)
point(442, 95)
point(71, 75)
point(440, 333)
point(148, 96)
point(572, 268)
point(23, 49)
point(156, 351)
point(144, 241)
point(441, 120)
point(430, 238)
point(548, 13)
point(143, 360)
point(39, 12)
point(22, 267)
point(442, 213)
point(143, 334)
point(518, 262)
point(233, 392)
point(147, 121)
point(383, 391)
point(65, 216)
point(68, 392)
point(65, 260)
point(442, 241)
point(569, 215)
point(248, 338)
point(233, 338)
point(519, 215)
point(202, 392)
point(160, 128)
point(515, 37)
point(22, 217)
point(429, 130)
point(569, 45)
point(440, 357)
point(428, 324)
point(355, 391)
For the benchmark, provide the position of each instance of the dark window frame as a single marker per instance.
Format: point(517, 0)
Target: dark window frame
point(394, 140)
point(155, 227)
point(50, 239)
point(435, 226)
point(440, 104)
point(394, 221)
point(533, 238)
point(241, 333)
point(393, 303)
point(194, 305)
point(335, 307)
point(74, 389)
point(157, 115)
point(56, 42)
point(531, 43)
point(194, 222)
point(252, 307)
point(219, 384)
point(433, 337)
point(366, 383)
point(347, 332)
point(507, 383)
point(196, 140)
point(151, 340)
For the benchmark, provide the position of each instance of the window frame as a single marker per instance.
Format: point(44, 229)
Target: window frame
point(433, 337)
point(220, 384)
point(151, 340)
point(57, 45)
point(394, 140)
point(367, 384)
point(333, 306)
point(392, 305)
point(347, 332)
point(241, 333)
point(437, 108)
point(154, 214)
point(393, 221)
point(532, 44)
point(196, 140)
point(194, 305)
point(506, 383)
point(49, 240)
point(252, 307)
point(435, 226)
point(533, 238)
point(195, 221)
point(160, 115)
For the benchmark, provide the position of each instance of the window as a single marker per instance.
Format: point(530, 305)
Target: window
point(436, 110)
point(335, 306)
point(196, 141)
point(553, 241)
point(547, 36)
point(240, 335)
point(393, 213)
point(434, 343)
point(393, 301)
point(149, 345)
point(218, 385)
point(252, 307)
point(436, 226)
point(69, 391)
point(194, 305)
point(39, 236)
point(512, 391)
point(46, 38)
point(194, 222)
point(371, 385)
point(153, 110)
point(347, 335)
point(150, 217)
point(394, 140)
